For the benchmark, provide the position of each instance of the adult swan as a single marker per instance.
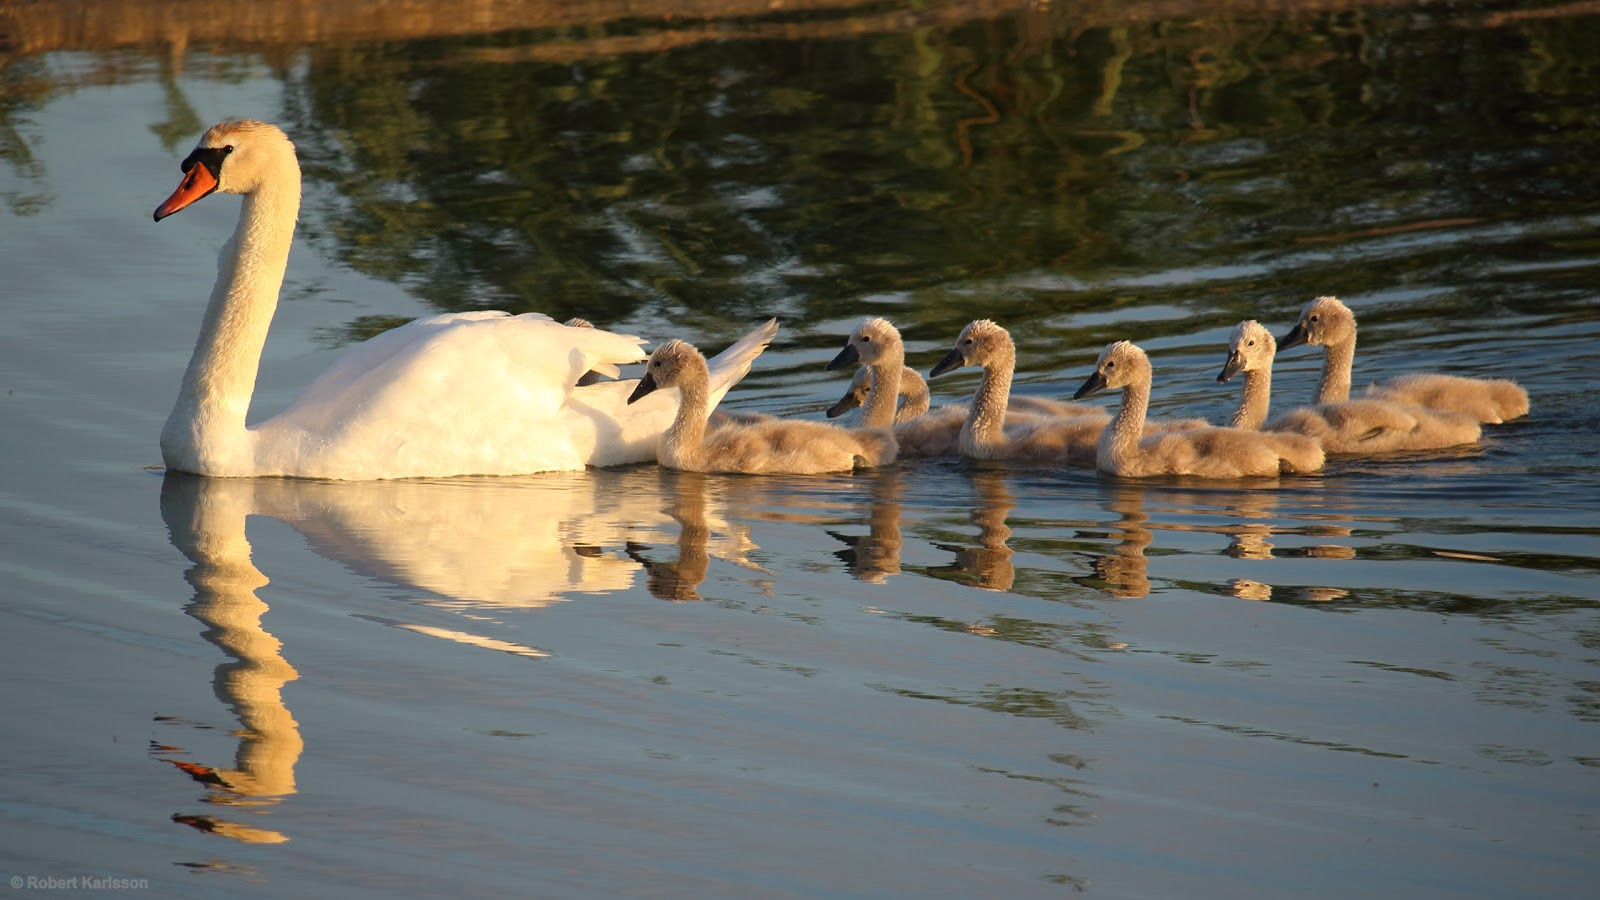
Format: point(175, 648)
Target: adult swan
point(482, 393)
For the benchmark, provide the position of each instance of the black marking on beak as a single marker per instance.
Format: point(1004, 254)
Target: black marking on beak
point(849, 401)
point(1231, 367)
point(846, 356)
point(1093, 383)
point(952, 360)
point(647, 385)
point(1294, 338)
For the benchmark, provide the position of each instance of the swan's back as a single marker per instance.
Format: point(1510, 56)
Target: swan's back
point(790, 447)
point(1372, 425)
point(478, 393)
point(1490, 401)
point(1223, 453)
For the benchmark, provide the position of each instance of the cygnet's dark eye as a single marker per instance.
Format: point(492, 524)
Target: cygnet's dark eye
point(967, 341)
point(866, 339)
point(1111, 364)
point(1314, 318)
point(227, 148)
point(1250, 343)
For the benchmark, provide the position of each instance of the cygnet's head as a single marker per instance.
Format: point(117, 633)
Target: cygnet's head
point(871, 342)
point(667, 366)
point(981, 343)
point(1323, 321)
point(1120, 364)
point(234, 158)
point(855, 395)
point(1250, 349)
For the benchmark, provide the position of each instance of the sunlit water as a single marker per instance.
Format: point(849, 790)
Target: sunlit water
point(936, 679)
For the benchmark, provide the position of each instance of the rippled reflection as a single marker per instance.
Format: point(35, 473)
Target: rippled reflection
point(206, 522)
point(478, 543)
point(875, 556)
point(988, 565)
point(1124, 572)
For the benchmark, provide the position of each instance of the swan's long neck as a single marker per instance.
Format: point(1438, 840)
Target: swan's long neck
point(984, 430)
point(1336, 364)
point(884, 394)
point(1255, 401)
point(206, 431)
point(681, 442)
point(1119, 443)
point(917, 398)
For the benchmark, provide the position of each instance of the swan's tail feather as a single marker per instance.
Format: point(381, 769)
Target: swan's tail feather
point(880, 446)
point(732, 364)
point(1298, 453)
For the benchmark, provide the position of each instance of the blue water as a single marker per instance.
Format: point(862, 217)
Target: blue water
point(941, 678)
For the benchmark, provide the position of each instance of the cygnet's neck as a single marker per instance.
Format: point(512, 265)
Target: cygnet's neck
point(1254, 401)
point(1337, 361)
point(917, 398)
point(883, 395)
point(984, 431)
point(680, 444)
point(1119, 443)
point(206, 431)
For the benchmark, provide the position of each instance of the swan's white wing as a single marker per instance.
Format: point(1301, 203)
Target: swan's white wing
point(458, 394)
point(479, 393)
point(629, 433)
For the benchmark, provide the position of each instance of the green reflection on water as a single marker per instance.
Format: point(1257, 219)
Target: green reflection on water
point(1056, 169)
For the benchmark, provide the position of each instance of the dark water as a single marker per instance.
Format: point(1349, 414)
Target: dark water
point(936, 679)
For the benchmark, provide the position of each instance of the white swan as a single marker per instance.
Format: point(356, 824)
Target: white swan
point(467, 393)
point(1207, 452)
point(1364, 425)
point(1328, 322)
point(774, 447)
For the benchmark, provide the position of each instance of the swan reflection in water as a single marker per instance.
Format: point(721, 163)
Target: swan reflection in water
point(988, 565)
point(462, 545)
point(875, 556)
point(1248, 518)
point(205, 520)
point(1124, 571)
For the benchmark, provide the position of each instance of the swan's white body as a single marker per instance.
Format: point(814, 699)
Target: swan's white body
point(483, 393)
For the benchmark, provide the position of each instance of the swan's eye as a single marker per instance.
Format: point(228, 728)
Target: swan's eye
point(866, 339)
point(1314, 318)
point(1250, 343)
point(227, 148)
point(1111, 364)
point(967, 341)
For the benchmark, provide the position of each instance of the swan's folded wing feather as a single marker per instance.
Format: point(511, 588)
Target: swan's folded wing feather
point(477, 393)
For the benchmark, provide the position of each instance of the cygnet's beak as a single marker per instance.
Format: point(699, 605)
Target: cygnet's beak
point(1093, 383)
point(647, 385)
point(849, 401)
point(846, 356)
point(1231, 367)
point(952, 361)
point(1294, 338)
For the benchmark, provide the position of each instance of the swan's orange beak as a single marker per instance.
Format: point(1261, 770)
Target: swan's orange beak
point(197, 182)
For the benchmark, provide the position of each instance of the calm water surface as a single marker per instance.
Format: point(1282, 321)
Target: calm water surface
point(936, 679)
